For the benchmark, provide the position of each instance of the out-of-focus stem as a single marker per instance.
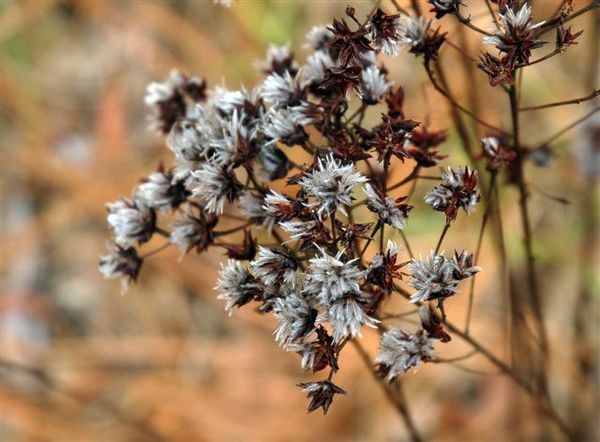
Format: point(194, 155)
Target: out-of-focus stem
point(396, 398)
point(590, 96)
point(484, 220)
point(532, 280)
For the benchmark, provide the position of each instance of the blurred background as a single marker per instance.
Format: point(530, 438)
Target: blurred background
point(80, 361)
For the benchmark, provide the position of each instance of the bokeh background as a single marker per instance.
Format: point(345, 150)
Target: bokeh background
point(80, 361)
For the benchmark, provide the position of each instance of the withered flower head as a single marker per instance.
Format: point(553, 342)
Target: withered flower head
point(337, 81)
point(296, 320)
point(385, 268)
point(319, 353)
point(420, 38)
point(237, 286)
point(193, 232)
point(349, 45)
point(443, 7)
point(121, 263)
point(400, 351)
point(565, 38)
point(518, 36)
point(321, 394)
point(275, 267)
point(385, 32)
point(279, 60)
point(457, 190)
point(131, 221)
point(244, 252)
point(498, 70)
point(390, 211)
point(424, 141)
point(432, 324)
point(498, 157)
point(391, 137)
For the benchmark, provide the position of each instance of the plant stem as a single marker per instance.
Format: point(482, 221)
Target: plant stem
point(439, 244)
point(563, 131)
point(528, 238)
point(155, 251)
point(484, 221)
point(579, 100)
point(397, 400)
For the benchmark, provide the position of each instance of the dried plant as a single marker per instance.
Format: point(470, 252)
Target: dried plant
point(305, 255)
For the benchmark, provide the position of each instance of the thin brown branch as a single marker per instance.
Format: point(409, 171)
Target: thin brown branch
point(579, 100)
point(492, 14)
point(467, 22)
point(574, 124)
point(397, 400)
point(484, 220)
point(532, 280)
point(455, 104)
point(551, 24)
point(49, 383)
point(442, 236)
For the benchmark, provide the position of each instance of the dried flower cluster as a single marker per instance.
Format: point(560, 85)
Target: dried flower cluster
point(294, 161)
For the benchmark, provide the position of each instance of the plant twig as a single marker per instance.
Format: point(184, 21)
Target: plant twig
point(484, 221)
point(398, 401)
point(44, 378)
point(528, 239)
point(563, 131)
point(579, 100)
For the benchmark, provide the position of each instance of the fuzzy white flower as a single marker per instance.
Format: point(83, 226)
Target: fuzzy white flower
point(160, 92)
point(278, 58)
point(414, 30)
point(131, 222)
point(458, 189)
point(237, 139)
point(514, 22)
point(387, 41)
point(252, 207)
point(121, 263)
point(373, 85)
point(313, 70)
point(275, 267)
point(331, 184)
point(278, 90)
point(299, 230)
point(186, 141)
point(159, 191)
point(281, 124)
point(390, 211)
point(400, 351)
point(236, 285)
point(214, 186)
point(278, 205)
point(433, 278)
point(187, 233)
point(329, 279)
point(318, 37)
point(347, 317)
point(296, 320)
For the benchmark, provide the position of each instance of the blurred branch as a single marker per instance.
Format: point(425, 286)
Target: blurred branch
point(397, 400)
point(44, 378)
point(579, 100)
